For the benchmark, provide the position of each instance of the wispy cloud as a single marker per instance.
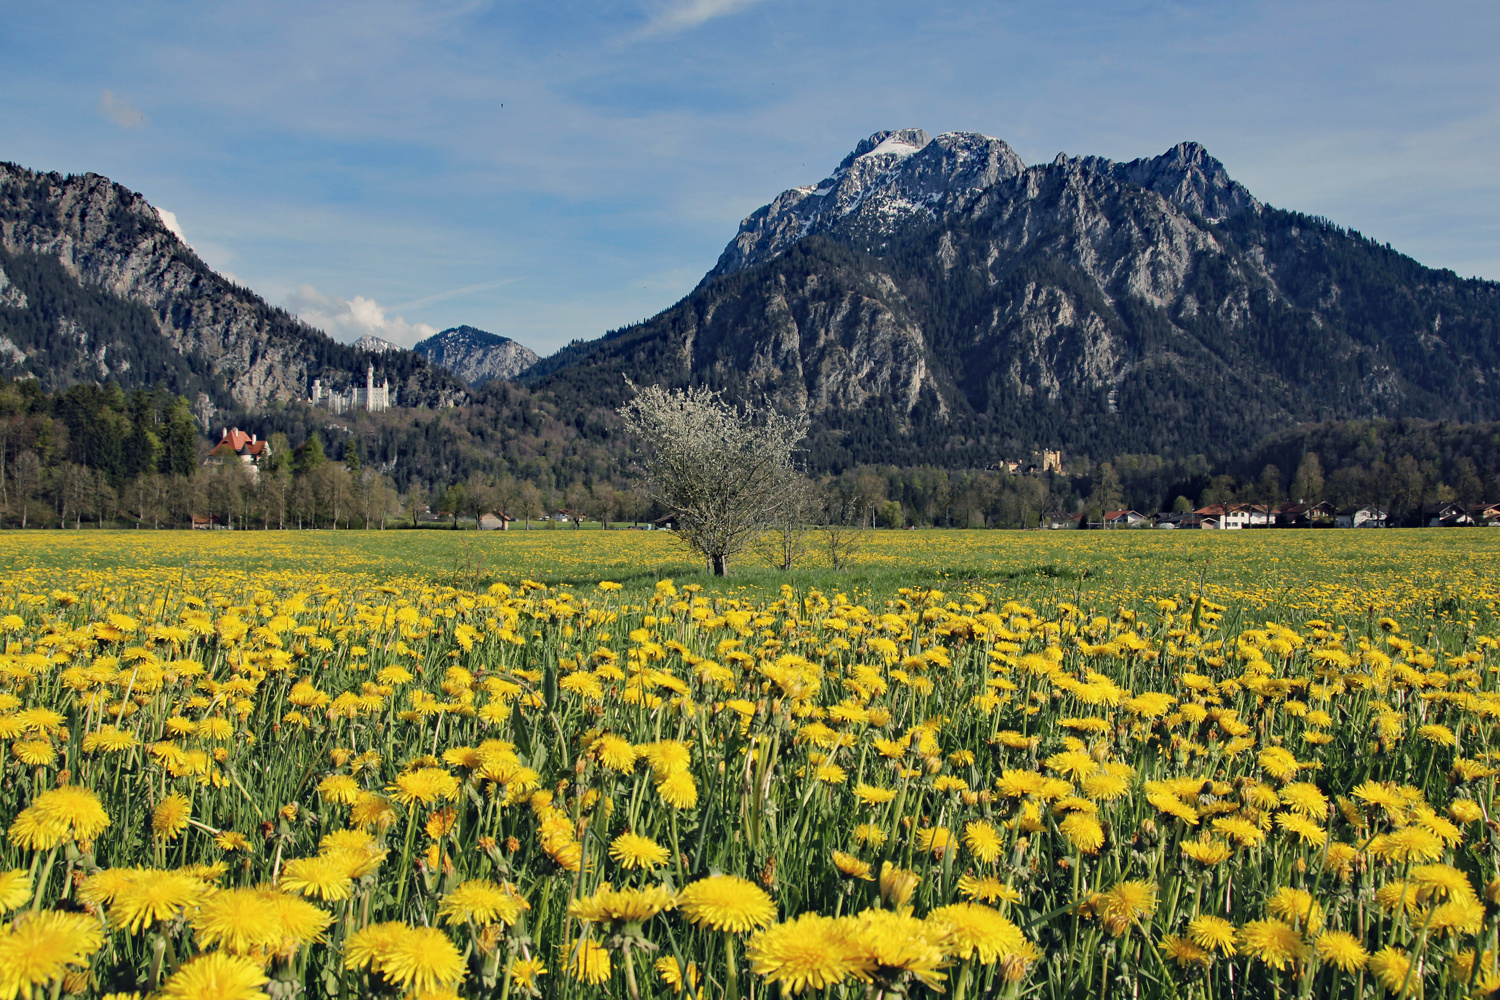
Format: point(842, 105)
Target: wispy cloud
point(120, 111)
point(454, 293)
point(350, 319)
point(680, 15)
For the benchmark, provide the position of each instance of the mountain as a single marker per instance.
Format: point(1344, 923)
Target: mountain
point(936, 300)
point(476, 356)
point(375, 345)
point(95, 288)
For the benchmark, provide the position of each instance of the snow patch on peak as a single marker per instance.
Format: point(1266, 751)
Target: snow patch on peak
point(893, 145)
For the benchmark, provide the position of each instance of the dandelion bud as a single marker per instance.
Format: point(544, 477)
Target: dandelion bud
point(1492, 890)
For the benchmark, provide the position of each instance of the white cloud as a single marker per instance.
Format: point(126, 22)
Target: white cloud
point(350, 319)
point(120, 111)
point(679, 15)
point(169, 219)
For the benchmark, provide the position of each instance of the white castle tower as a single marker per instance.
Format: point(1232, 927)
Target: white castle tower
point(370, 397)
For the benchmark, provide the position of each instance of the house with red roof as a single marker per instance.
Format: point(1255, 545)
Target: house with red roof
point(248, 448)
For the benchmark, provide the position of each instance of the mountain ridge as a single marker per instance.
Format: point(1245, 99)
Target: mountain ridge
point(110, 241)
point(936, 296)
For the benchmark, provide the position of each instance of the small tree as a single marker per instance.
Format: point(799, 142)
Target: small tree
point(721, 471)
point(785, 540)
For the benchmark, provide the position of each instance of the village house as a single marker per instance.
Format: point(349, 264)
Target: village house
point(248, 448)
point(1125, 519)
point(1058, 520)
point(1304, 515)
point(1226, 517)
point(495, 522)
point(1360, 517)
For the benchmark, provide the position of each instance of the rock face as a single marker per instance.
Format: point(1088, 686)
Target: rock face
point(935, 299)
point(104, 251)
point(476, 356)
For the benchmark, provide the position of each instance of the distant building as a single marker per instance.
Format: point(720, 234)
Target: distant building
point(1125, 519)
point(248, 448)
point(1039, 463)
point(1361, 517)
point(371, 398)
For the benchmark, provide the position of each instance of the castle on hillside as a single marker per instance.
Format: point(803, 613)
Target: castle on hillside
point(370, 397)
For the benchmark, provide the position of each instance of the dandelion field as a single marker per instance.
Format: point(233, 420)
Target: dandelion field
point(981, 764)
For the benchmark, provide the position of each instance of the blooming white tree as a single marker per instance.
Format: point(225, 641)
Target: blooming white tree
point(724, 473)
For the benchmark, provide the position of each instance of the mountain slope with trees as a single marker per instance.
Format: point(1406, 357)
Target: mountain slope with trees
point(96, 288)
point(935, 300)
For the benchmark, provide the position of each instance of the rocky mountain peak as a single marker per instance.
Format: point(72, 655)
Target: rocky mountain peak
point(889, 179)
point(1185, 175)
point(375, 345)
point(476, 356)
point(894, 178)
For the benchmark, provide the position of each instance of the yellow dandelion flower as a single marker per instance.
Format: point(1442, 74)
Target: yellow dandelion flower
point(1184, 953)
point(257, 921)
point(425, 785)
point(1297, 907)
point(726, 903)
point(1213, 933)
point(615, 753)
point(1273, 942)
point(1125, 904)
point(37, 948)
point(1392, 967)
point(987, 889)
point(323, 877)
point(678, 790)
point(1342, 949)
point(422, 960)
point(339, 788)
point(634, 851)
point(810, 952)
point(975, 930)
point(1206, 852)
point(170, 817)
point(15, 889)
point(1243, 831)
point(983, 841)
point(1410, 843)
point(481, 902)
point(108, 739)
point(897, 884)
point(34, 753)
point(150, 896)
point(588, 962)
point(229, 840)
point(622, 906)
point(896, 945)
point(1083, 831)
point(66, 813)
point(524, 972)
point(853, 867)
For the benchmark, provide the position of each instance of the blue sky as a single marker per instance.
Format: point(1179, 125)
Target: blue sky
point(550, 171)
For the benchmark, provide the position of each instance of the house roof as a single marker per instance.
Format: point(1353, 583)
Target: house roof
point(240, 443)
point(1111, 515)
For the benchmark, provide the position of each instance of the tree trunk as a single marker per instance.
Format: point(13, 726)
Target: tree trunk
point(720, 563)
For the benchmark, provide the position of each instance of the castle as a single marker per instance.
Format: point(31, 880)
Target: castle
point(375, 399)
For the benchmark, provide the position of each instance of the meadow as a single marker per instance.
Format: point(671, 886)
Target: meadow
point(569, 764)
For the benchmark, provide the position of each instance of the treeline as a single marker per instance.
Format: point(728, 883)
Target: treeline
point(101, 455)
